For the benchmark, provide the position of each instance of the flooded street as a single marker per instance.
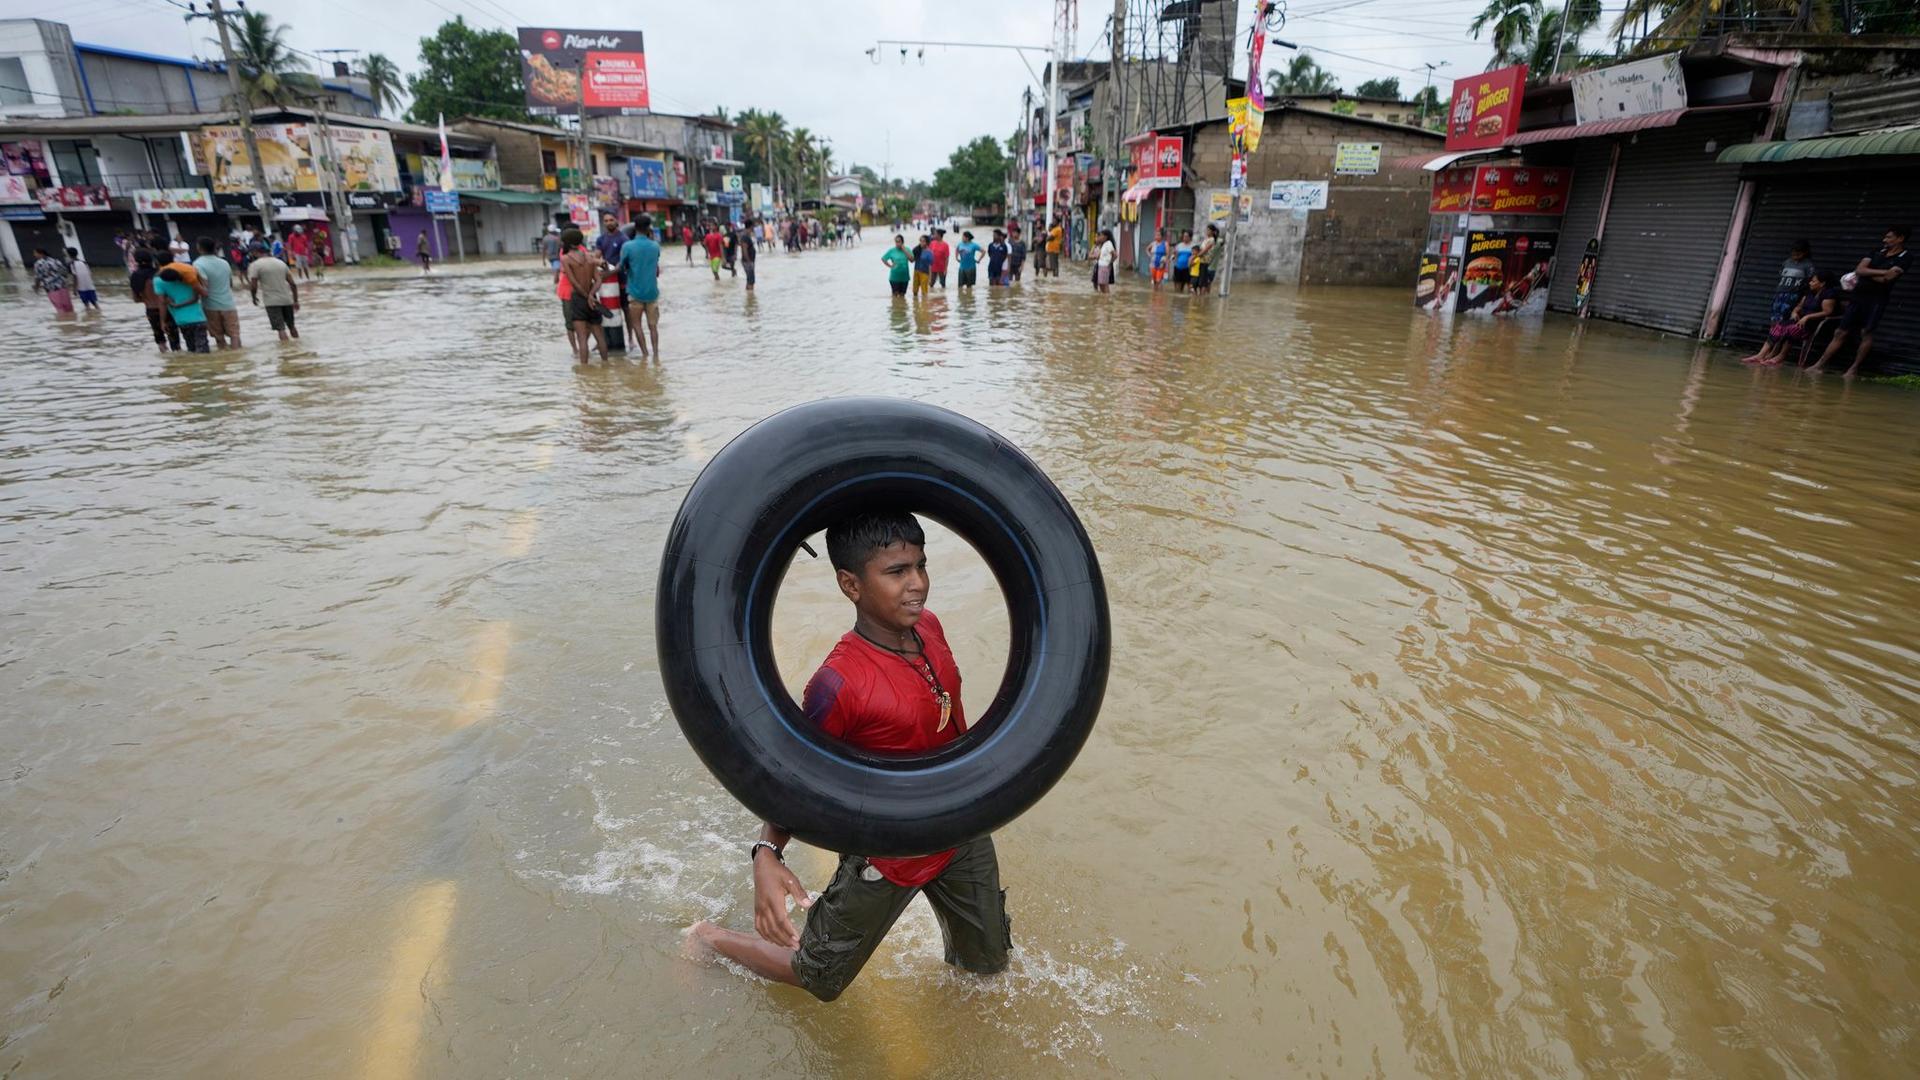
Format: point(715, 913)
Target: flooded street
point(1491, 700)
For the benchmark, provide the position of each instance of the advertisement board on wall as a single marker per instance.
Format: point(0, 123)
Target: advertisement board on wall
point(442, 202)
point(26, 158)
point(1486, 108)
point(1507, 273)
point(1219, 207)
point(365, 158)
point(13, 189)
point(469, 174)
point(604, 70)
point(1297, 195)
point(74, 197)
point(1356, 159)
point(172, 201)
point(1501, 189)
point(1636, 89)
point(647, 178)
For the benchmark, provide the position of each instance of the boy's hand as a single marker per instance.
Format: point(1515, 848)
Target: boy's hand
point(773, 883)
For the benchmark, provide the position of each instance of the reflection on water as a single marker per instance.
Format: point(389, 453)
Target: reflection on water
point(1487, 699)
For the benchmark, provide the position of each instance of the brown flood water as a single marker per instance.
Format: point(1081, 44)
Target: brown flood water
point(1500, 700)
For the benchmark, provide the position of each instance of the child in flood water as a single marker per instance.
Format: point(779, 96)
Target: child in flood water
point(1787, 294)
point(1820, 303)
point(890, 684)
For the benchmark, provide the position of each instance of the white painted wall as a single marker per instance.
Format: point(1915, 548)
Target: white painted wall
point(21, 38)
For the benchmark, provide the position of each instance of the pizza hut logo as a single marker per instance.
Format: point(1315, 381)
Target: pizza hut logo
point(550, 40)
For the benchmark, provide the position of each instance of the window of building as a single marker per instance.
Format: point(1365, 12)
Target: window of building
point(548, 162)
point(75, 161)
point(13, 82)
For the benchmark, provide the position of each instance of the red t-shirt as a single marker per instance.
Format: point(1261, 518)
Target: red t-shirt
point(714, 245)
point(878, 700)
point(940, 250)
point(297, 243)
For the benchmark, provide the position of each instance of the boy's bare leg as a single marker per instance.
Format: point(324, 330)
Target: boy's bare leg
point(599, 341)
point(581, 336)
point(758, 955)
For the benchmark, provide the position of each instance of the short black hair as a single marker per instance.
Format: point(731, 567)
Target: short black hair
point(1800, 245)
point(644, 222)
point(1899, 231)
point(170, 274)
point(207, 246)
point(852, 541)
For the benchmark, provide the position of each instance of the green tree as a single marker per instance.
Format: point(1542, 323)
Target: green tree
point(1434, 109)
point(383, 82)
point(764, 134)
point(265, 63)
point(974, 175)
point(1512, 24)
point(1379, 88)
point(1304, 75)
point(467, 72)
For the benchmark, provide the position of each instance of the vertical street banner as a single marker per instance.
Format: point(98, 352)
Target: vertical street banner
point(1507, 273)
point(602, 71)
point(1486, 108)
point(1256, 78)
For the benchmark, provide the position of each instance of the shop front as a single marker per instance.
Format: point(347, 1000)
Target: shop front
point(509, 222)
point(1493, 239)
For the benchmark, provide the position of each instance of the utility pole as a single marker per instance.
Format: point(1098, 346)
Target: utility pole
point(1424, 95)
point(244, 106)
point(345, 232)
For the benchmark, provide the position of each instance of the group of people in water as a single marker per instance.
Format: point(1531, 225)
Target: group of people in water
point(186, 291)
point(1810, 298)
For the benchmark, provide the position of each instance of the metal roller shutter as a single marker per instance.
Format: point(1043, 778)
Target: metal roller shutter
point(1590, 161)
point(1842, 216)
point(1667, 224)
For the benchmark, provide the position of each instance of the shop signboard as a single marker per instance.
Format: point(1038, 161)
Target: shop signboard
point(13, 189)
point(579, 209)
point(1507, 273)
point(1486, 108)
point(1520, 189)
point(22, 213)
point(1636, 89)
point(172, 201)
point(74, 197)
point(1433, 277)
point(1297, 195)
point(1356, 159)
point(365, 160)
point(469, 174)
point(26, 158)
point(603, 71)
point(647, 178)
point(1452, 191)
point(442, 202)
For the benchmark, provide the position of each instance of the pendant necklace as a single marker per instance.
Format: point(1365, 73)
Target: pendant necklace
point(924, 669)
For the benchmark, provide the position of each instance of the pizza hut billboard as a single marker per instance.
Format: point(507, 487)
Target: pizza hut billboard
point(1486, 108)
point(604, 70)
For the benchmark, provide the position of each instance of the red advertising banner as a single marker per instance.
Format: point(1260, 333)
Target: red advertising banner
point(1168, 147)
point(1146, 160)
point(604, 69)
point(1156, 160)
point(1520, 189)
point(1452, 191)
point(1486, 108)
point(74, 197)
point(1501, 189)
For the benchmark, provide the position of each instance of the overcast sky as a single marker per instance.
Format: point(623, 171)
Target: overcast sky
point(807, 58)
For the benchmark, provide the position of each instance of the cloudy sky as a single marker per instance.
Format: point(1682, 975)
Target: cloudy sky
point(807, 58)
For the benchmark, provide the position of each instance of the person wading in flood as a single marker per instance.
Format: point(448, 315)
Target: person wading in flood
point(424, 252)
point(582, 268)
point(899, 264)
point(640, 261)
point(890, 685)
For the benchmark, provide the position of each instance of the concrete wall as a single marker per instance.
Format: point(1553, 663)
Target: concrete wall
point(517, 151)
point(45, 52)
point(1372, 229)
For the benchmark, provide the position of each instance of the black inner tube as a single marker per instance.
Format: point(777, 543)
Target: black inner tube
point(792, 475)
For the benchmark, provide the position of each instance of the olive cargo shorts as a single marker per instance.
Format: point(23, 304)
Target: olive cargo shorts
point(848, 920)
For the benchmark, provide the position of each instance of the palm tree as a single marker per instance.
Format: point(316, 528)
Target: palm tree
point(765, 134)
point(383, 82)
point(801, 148)
point(268, 71)
point(1304, 75)
point(1514, 23)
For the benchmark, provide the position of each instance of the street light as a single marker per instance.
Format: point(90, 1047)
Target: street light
point(1426, 95)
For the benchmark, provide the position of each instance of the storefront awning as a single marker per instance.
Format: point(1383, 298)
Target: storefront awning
point(513, 198)
point(1136, 193)
point(1622, 125)
point(1883, 143)
point(1434, 162)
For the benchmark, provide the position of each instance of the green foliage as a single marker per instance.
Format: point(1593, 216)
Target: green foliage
point(974, 175)
point(1379, 88)
point(1345, 107)
point(467, 72)
point(1304, 75)
point(268, 72)
point(383, 82)
point(1911, 382)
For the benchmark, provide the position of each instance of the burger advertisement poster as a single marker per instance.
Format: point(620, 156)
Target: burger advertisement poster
point(1507, 273)
point(1486, 108)
point(603, 70)
point(1501, 189)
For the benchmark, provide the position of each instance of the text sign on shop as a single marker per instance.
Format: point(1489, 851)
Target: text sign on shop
point(1356, 159)
point(443, 202)
point(1644, 86)
point(1486, 108)
point(1297, 195)
point(606, 70)
point(172, 201)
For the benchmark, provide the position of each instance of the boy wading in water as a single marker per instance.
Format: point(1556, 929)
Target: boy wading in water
point(889, 685)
